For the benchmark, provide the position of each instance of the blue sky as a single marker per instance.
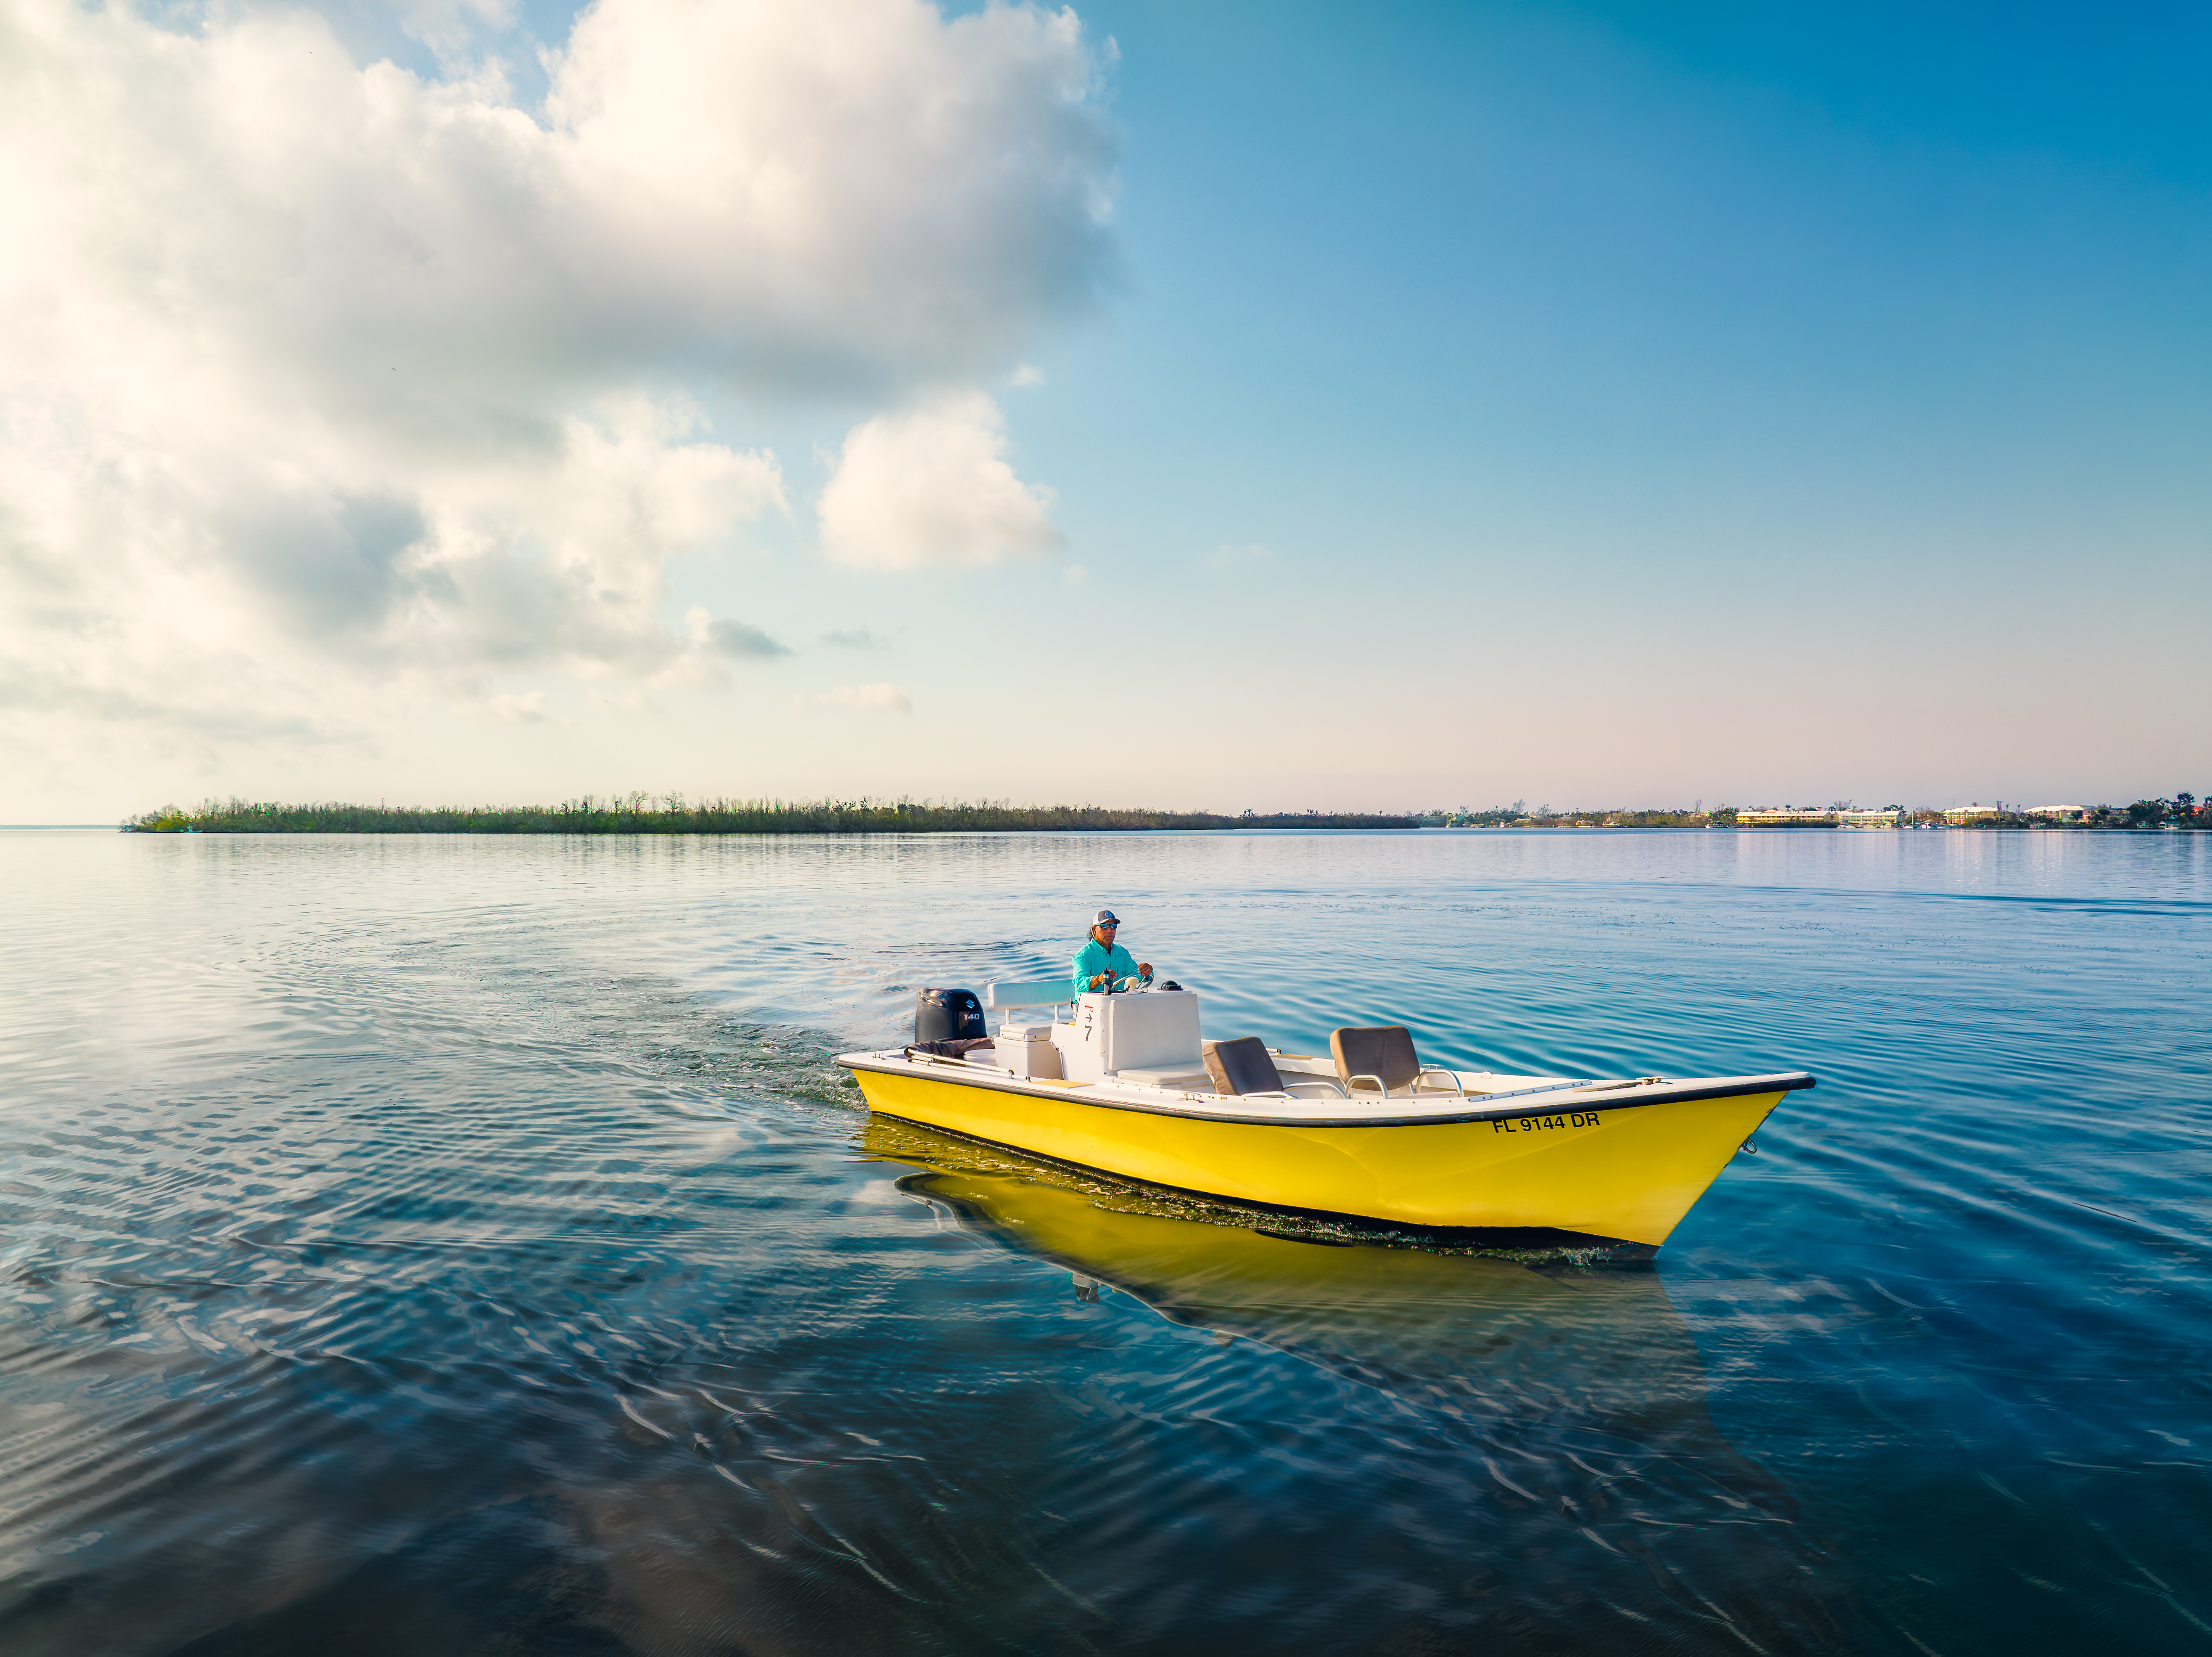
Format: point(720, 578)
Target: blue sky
point(1601, 403)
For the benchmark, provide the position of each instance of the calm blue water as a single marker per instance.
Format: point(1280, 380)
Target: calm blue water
point(466, 1246)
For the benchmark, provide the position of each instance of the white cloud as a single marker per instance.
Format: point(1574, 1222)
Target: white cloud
point(519, 708)
point(930, 485)
point(313, 376)
point(1027, 375)
point(1239, 555)
point(862, 698)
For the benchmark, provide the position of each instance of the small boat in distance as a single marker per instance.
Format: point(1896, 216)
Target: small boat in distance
point(1127, 1087)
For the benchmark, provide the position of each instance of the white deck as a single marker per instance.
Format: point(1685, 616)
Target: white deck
point(1487, 1093)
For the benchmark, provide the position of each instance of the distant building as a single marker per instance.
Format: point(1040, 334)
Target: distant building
point(1969, 813)
point(1818, 816)
point(2061, 814)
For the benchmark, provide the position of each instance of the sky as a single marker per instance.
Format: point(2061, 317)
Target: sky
point(1223, 407)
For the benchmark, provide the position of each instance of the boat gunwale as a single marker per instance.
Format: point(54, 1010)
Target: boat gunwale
point(995, 1081)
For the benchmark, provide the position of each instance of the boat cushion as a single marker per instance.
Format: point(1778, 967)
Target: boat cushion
point(1042, 992)
point(1242, 1066)
point(1383, 1050)
point(1167, 1075)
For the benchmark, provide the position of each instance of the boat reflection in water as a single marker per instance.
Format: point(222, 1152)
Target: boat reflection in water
point(1536, 1415)
point(1547, 1341)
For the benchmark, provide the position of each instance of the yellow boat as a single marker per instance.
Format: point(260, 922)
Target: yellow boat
point(1127, 1088)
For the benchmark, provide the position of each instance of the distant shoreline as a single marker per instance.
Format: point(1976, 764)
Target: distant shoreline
point(669, 814)
point(632, 815)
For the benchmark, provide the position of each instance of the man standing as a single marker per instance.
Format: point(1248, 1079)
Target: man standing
point(1101, 960)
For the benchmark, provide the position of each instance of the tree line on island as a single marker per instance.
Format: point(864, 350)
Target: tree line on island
point(671, 814)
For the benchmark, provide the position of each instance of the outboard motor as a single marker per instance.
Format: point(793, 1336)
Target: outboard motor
point(947, 1015)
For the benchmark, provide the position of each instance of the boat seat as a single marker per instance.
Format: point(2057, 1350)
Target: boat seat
point(1380, 1058)
point(1244, 1067)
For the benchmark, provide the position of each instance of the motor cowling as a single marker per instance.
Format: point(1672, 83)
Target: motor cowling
point(948, 1016)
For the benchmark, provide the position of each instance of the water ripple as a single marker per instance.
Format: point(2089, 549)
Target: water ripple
point(469, 1245)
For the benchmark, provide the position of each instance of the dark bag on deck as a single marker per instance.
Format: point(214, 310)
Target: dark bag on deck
point(952, 1049)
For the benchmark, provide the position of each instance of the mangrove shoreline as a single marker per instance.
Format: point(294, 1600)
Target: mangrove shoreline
point(640, 814)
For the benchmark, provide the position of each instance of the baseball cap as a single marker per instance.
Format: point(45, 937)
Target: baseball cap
point(1105, 917)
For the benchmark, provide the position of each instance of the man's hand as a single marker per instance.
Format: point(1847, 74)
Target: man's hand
point(1144, 968)
point(1097, 980)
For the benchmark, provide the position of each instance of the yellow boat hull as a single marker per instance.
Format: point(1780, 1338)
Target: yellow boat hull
point(1595, 1174)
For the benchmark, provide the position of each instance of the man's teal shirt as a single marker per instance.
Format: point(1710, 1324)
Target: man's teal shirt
point(1095, 958)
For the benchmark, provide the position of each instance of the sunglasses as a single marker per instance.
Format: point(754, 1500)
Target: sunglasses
point(1110, 926)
